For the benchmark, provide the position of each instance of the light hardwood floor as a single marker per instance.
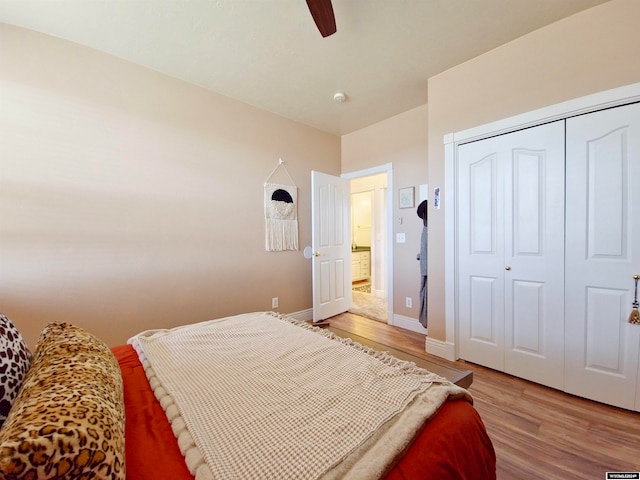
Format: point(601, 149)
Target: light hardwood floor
point(537, 432)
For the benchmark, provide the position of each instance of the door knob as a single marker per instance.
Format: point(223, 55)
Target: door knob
point(507, 267)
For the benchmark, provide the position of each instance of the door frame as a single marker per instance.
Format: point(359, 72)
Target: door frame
point(368, 172)
point(448, 348)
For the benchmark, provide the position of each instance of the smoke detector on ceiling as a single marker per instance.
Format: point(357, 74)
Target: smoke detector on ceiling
point(339, 97)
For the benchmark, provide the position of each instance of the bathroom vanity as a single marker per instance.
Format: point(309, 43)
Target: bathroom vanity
point(360, 264)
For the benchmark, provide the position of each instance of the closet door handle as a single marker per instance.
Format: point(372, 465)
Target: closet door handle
point(507, 267)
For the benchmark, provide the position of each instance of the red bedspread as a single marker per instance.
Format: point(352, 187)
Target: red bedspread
point(453, 445)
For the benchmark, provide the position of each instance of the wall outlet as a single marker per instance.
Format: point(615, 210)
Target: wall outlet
point(409, 302)
point(274, 302)
point(400, 238)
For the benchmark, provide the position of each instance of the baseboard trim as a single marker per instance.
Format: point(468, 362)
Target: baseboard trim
point(304, 315)
point(400, 321)
point(408, 323)
point(440, 349)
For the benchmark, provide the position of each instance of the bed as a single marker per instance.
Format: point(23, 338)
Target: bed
point(115, 413)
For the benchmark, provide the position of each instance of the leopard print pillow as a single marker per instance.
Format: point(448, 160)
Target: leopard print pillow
point(15, 359)
point(68, 418)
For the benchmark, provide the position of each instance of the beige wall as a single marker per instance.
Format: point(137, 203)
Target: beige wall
point(401, 141)
point(589, 52)
point(130, 200)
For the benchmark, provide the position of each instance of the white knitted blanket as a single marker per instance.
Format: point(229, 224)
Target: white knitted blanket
point(264, 396)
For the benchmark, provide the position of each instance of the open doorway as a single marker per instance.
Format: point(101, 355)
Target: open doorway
point(370, 246)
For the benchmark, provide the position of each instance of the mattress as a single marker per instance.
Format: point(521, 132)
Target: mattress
point(453, 443)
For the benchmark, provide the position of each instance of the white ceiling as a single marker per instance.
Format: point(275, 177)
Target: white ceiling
point(269, 53)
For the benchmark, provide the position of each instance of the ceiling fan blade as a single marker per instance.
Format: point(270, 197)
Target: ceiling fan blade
point(322, 13)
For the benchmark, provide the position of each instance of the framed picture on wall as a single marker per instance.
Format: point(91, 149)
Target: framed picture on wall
point(406, 197)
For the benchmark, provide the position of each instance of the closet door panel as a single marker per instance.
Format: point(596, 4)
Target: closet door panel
point(604, 334)
point(528, 334)
point(480, 247)
point(603, 255)
point(607, 199)
point(534, 254)
point(528, 184)
point(483, 314)
point(510, 252)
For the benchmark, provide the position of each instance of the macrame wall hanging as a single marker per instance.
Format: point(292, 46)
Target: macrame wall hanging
point(281, 214)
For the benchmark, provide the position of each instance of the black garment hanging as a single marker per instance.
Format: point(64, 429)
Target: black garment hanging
point(422, 256)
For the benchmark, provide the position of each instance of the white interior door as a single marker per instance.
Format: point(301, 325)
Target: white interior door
point(331, 234)
point(534, 254)
point(481, 253)
point(603, 255)
point(511, 252)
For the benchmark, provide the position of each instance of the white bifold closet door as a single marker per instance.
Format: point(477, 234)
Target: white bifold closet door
point(511, 253)
point(603, 255)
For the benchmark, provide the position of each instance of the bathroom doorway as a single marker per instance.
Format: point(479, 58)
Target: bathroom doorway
point(370, 246)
